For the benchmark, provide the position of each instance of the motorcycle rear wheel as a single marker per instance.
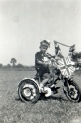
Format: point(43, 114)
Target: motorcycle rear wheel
point(28, 91)
point(72, 92)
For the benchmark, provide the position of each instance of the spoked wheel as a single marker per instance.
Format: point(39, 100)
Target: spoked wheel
point(28, 91)
point(73, 93)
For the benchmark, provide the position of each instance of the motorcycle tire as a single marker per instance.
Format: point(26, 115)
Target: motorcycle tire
point(72, 92)
point(28, 90)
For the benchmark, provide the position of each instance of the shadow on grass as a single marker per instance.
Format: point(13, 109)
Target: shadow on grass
point(53, 98)
point(18, 99)
point(42, 97)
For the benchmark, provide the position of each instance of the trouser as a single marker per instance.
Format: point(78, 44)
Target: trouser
point(49, 77)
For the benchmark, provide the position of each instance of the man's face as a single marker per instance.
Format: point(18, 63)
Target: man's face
point(43, 49)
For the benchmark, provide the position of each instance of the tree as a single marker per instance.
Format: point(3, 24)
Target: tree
point(13, 61)
point(20, 66)
point(8, 66)
point(1, 65)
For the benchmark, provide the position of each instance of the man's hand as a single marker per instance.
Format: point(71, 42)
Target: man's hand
point(52, 59)
point(45, 64)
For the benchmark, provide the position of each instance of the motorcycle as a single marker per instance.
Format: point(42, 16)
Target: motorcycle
point(29, 89)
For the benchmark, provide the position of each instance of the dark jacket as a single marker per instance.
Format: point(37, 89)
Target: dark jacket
point(41, 69)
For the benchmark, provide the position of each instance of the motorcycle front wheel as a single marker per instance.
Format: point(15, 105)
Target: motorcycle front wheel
point(72, 92)
point(28, 91)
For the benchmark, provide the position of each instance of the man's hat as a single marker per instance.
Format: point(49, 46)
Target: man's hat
point(45, 43)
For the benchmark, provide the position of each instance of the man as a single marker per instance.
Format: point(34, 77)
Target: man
point(41, 65)
point(40, 57)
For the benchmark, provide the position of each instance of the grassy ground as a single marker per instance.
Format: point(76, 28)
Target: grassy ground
point(54, 110)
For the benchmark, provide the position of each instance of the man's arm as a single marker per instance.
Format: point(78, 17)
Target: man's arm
point(39, 60)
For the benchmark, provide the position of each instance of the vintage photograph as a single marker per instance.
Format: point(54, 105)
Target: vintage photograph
point(40, 61)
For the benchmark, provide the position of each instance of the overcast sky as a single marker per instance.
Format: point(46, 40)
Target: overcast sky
point(24, 23)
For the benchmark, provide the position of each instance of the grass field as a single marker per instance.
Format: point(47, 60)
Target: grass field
point(55, 110)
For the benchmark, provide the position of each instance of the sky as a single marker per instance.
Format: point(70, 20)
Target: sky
point(25, 23)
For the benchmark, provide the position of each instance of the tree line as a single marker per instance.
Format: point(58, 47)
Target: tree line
point(13, 64)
